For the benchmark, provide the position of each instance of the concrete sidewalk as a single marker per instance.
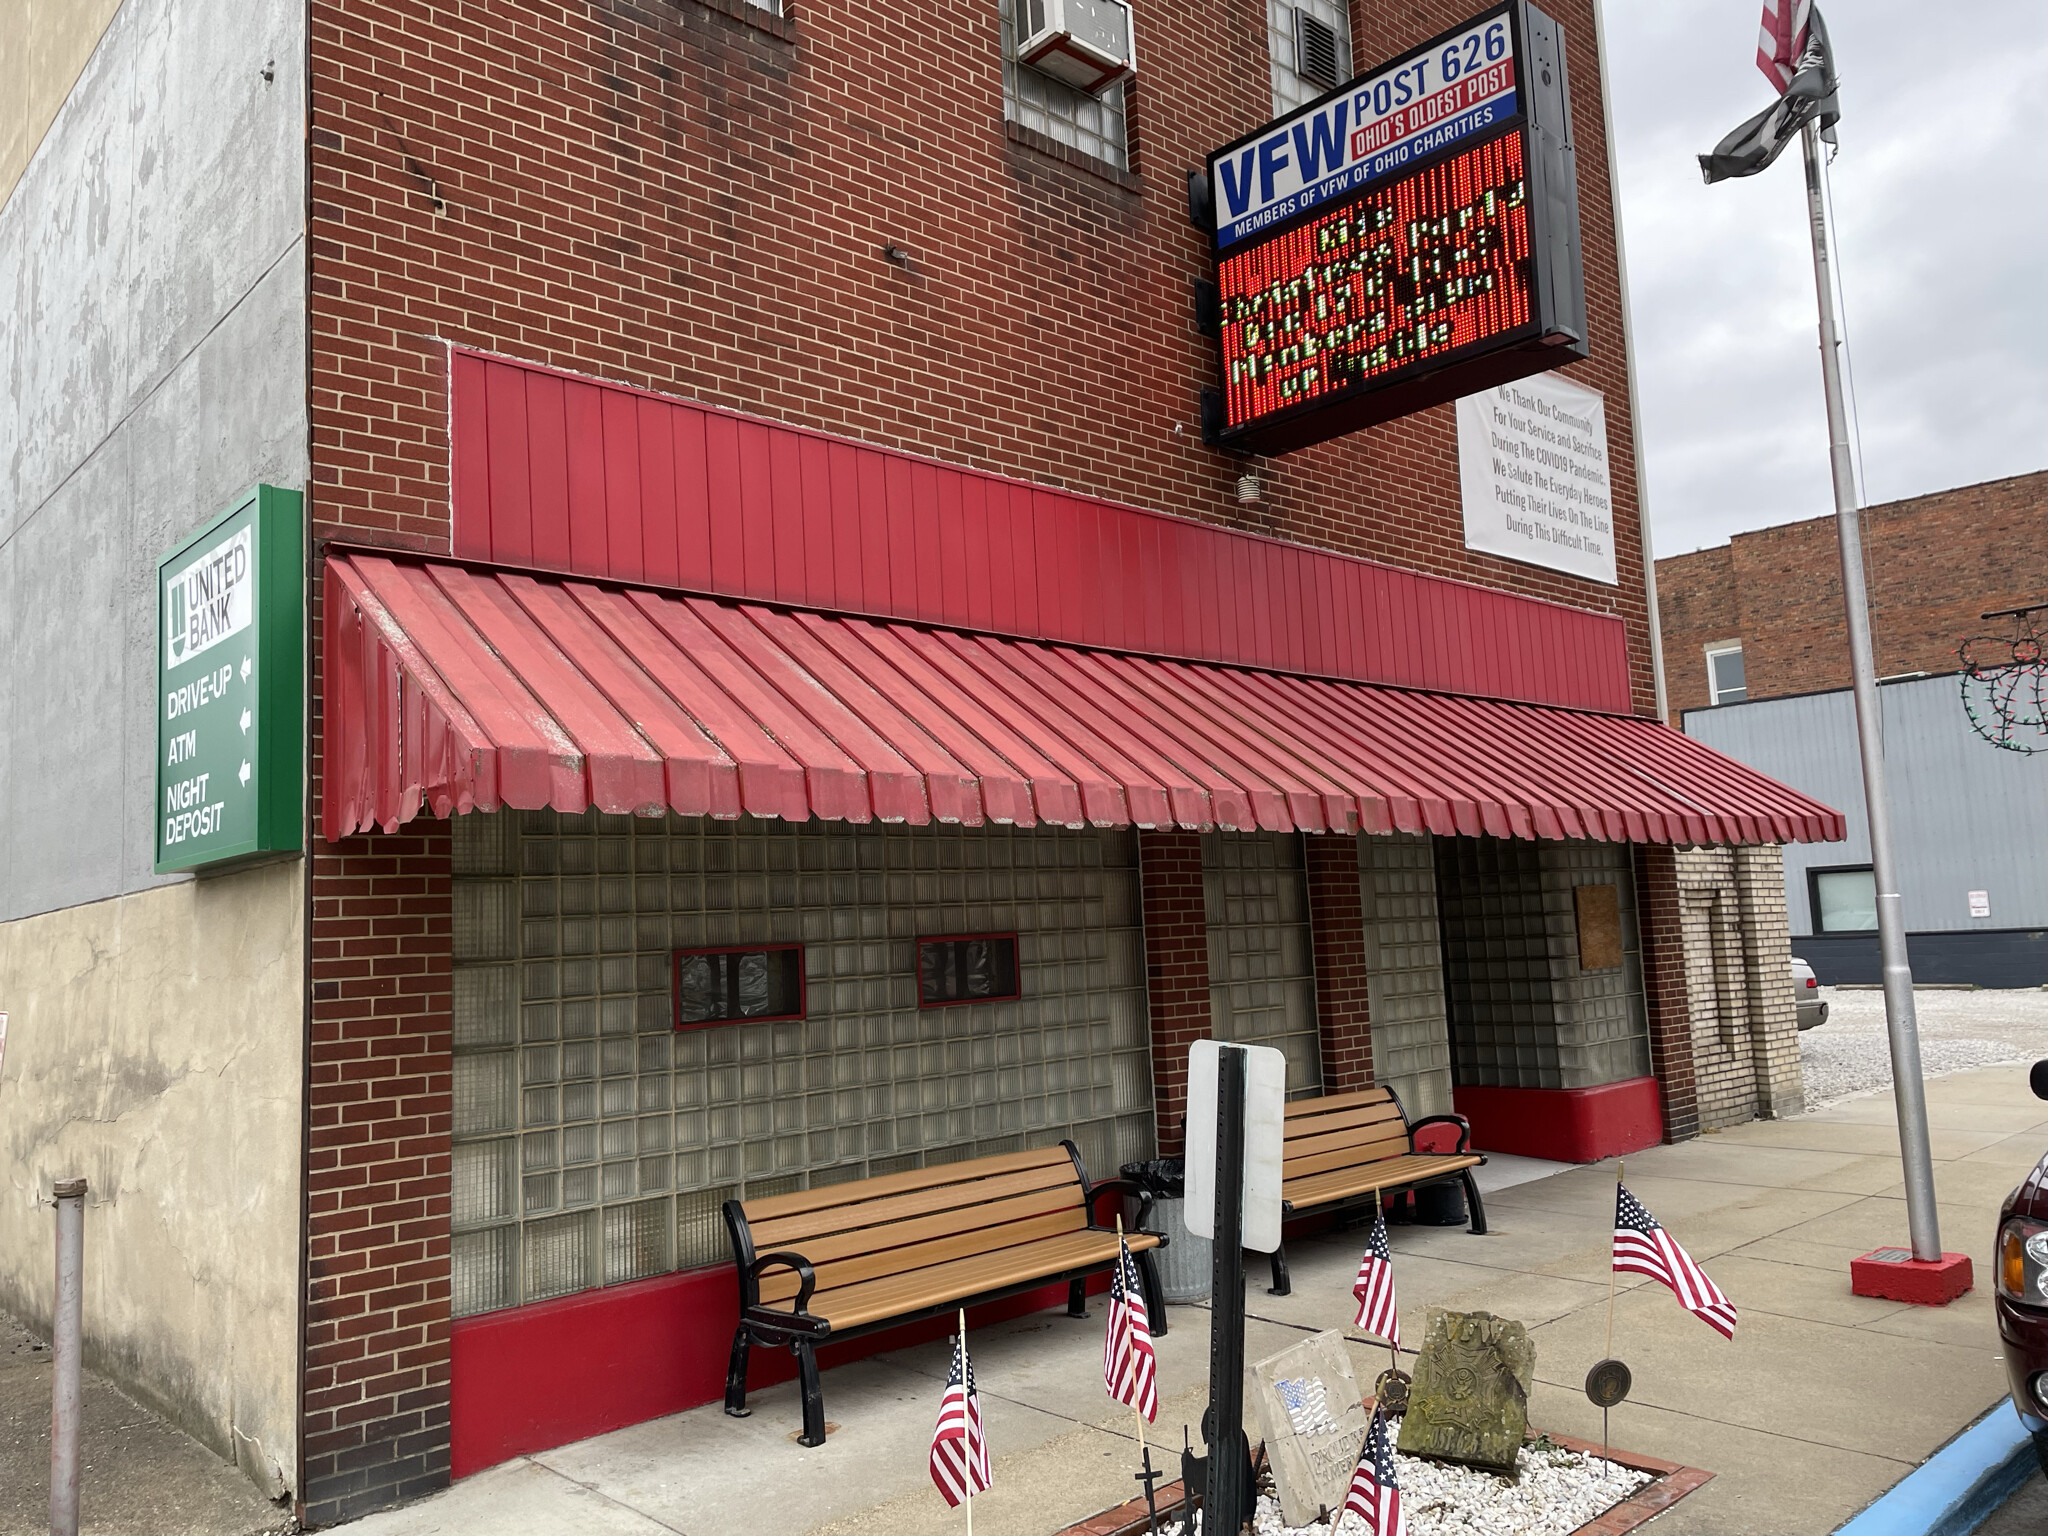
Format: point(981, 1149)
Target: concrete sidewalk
point(1821, 1402)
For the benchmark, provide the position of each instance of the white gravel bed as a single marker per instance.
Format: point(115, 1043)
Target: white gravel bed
point(1959, 1032)
point(1556, 1492)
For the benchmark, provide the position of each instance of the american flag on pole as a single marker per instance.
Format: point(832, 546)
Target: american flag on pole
point(1643, 1247)
point(959, 1448)
point(1375, 1496)
point(1374, 1286)
point(1130, 1367)
point(1783, 39)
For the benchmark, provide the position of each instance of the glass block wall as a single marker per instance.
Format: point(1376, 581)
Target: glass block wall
point(1261, 971)
point(1055, 109)
point(594, 1143)
point(1411, 1045)
point(1290, 90)
point(1523, 1015)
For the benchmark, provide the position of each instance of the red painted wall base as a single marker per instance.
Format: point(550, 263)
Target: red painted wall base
point(1566, 1125)
point(1909, 1279)
point(536, 1377)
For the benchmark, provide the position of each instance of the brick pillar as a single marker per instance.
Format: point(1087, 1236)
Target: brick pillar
point(376, 1427)
point(1657, 913)
point(1336, 917)
point(1176, 969)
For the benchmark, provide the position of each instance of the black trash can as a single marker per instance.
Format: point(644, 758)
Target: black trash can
point(1440, 1205)
point(1184, 1263)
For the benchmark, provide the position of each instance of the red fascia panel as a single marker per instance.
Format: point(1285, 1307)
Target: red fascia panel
point(1565, 1125)
point(556, 472)
point(455, 688)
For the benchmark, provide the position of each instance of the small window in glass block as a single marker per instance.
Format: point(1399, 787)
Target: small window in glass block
point(717, 986)
point(970, 968)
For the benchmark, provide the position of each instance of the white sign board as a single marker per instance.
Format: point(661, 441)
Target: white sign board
point(1265, 1112)
point(1532, 462)
point(1980, 906)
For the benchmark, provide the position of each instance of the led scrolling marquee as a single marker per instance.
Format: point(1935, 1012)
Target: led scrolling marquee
point(1406, 240)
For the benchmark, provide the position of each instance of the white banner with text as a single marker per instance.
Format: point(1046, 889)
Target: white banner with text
point(1532, 461)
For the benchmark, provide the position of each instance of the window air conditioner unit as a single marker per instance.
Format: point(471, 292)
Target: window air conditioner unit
point(1084, 43)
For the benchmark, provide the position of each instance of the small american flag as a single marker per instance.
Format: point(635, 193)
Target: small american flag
point(1374, 1286)
point(959, 1448)
point(1130, 1367)
point(1782, 40)
point(1643, 1247)
point(1375, 1496)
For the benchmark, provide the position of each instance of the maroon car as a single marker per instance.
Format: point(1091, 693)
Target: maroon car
point(2022, 1300)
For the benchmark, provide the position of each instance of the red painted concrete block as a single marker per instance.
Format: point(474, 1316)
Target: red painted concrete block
point(1566, 1125)
point(1895, 1275)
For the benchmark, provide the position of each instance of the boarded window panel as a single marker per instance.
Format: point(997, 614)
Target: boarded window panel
point(1599, 913)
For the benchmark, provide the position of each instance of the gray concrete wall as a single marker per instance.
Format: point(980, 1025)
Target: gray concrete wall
point(154, 1048)
point(152, 365)
point(1966, 816)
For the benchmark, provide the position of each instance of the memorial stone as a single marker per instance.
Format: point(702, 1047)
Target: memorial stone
point(1469, 1401)
point(1310, 1413)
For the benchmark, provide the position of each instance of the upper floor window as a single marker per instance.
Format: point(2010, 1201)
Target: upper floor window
point(1725, 684)
point(1310, 46)
point(1037, 101)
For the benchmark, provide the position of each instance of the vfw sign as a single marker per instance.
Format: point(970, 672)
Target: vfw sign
point(230, 725)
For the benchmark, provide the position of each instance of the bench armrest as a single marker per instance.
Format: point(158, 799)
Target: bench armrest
point(807, 1278)
point(1120, 1186)
point(1464, 1129)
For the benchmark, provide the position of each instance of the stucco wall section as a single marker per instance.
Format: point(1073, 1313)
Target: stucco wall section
point(43, 46)
point(154, 1048)
point(152, 365)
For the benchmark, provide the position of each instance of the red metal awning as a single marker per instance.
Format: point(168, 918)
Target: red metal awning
point(457, 689)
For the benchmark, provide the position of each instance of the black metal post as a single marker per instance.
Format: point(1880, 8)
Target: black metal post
point(1226, 1496)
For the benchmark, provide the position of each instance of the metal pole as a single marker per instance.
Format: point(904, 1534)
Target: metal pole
point(65, 1403)
point(1909, 1092)
point(1226, 1492)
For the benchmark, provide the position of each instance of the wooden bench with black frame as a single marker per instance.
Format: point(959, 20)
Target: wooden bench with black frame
point(1353, 1148)
point(833, 1263)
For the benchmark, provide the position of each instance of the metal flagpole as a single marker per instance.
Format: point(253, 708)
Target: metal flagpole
point(966, 1445)
point(1909, 1092)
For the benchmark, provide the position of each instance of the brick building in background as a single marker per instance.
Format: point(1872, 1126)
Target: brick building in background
point(1756, 665)
point(762, 555)
point(1772, 598)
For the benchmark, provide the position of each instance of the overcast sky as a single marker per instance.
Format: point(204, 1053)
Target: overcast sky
point(1941, 202)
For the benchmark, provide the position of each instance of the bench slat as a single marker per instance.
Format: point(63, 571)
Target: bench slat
point(802, 1200)
point(899, 1234)
point(1344, 1155)
point(1338, 1101)
point(1394, 1173)
point(857, 1209)
point(1369, 1117)
point(1393, 1134)
point(912, 1259)
point(856, 1305)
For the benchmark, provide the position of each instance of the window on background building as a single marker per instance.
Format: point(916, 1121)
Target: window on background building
point(975, 969)
point(1844, 900)
point(1048, 106)
point(1310, 47)
point(1725, 680)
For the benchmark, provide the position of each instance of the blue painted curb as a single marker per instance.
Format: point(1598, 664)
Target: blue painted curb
point(1956, 1489)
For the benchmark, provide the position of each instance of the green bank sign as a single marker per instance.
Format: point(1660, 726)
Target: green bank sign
point(230, 781)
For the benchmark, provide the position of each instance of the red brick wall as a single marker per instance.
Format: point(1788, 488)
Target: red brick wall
point(1336, 917)
point(1671, 1057)
point(1176, 970)
point(1932, 564)
point(376, 1389)
point(664, 193)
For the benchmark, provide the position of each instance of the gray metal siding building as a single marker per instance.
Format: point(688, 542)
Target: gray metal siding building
point(1968, 818)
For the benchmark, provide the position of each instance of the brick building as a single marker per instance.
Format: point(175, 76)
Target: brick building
point(763, 570)
point(1772, 599)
